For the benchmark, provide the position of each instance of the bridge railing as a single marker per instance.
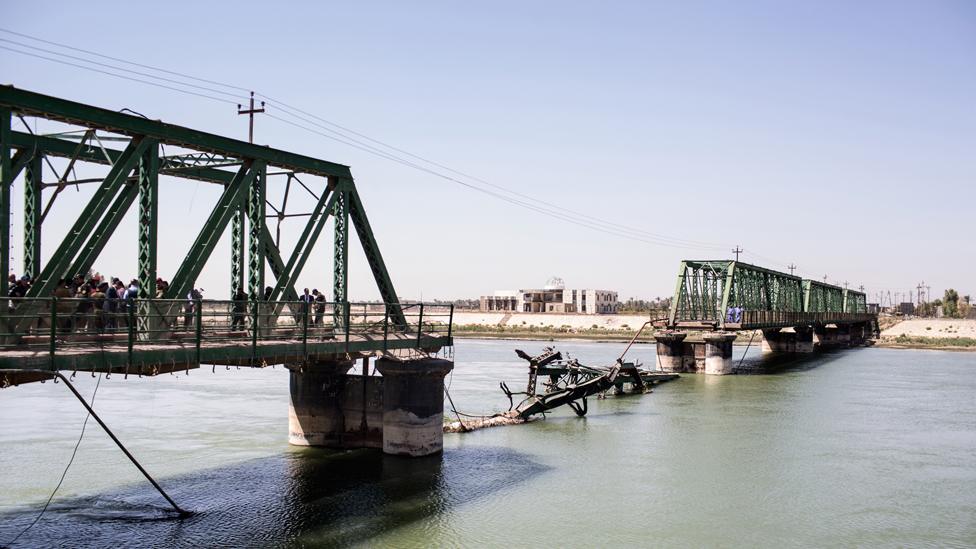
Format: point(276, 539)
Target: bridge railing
point(763, 319)
point(60, 324)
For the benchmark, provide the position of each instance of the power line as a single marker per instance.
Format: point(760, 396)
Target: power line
point(645, 236)
point(537, 205)
point(119, 75)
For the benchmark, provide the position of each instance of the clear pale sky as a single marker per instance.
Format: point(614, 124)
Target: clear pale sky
point(840, 136)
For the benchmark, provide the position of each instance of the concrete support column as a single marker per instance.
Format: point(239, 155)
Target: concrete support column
point(804, 339)
point(315, 416)
point(669, 351)
point(776, 340)
point(693, 357)
point(718, 353)
point(857, 333)
point(844, 335)
point(413, 405)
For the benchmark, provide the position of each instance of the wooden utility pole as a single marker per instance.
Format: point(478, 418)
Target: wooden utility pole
point(792, 268)
point(250, 112)
point(737, 251)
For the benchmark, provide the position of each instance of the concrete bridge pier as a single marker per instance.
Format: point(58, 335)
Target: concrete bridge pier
point(857, 334)
point(804, 339)
point(413, 405)
point(844, 335)
point(693, 357)
point(798, 339)
point(718, 353)
point(315, 416)
point(777, 340)
point(670, 351)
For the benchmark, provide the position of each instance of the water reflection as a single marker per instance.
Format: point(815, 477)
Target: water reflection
point(303, 497)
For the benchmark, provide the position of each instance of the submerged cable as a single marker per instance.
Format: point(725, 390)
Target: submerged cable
point(66, 468)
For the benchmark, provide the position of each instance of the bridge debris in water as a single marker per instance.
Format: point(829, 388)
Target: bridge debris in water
point(567, 382)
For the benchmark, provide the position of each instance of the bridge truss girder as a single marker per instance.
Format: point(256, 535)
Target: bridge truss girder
point(133, 175)
point(706, 290)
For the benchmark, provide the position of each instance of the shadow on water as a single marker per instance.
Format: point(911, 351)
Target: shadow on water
point(310, 496)
point(774, 363)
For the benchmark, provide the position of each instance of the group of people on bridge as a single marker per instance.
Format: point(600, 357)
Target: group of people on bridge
point(734, 315)
point(95, 305)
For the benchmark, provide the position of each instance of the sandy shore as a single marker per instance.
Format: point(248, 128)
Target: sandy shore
point(932, 327)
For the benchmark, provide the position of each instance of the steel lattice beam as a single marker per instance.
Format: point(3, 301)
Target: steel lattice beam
point(244, 195)
point(148, 190)
point(32, 216)
point(54, 108)
point(229, 203)
point(6, 181)
point(255, 224)
point(375, 259)
point(340, 255)
point(93, 212)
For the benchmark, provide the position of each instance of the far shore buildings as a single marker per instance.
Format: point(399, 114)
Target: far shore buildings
point(553, 298)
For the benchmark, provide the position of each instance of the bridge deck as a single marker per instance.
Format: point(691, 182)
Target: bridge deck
point(153, 337)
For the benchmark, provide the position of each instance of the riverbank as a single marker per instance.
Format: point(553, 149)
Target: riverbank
point(916, 333)
point(950, 334)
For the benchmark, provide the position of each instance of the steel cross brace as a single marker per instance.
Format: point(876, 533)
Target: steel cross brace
point(206, 240)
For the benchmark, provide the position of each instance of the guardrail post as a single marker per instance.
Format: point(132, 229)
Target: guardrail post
point(305, 310)
point(199, 327)
point(131, 304)
point(386, 325)
point(54, 329)
point(420, 325)
point(345, 320)
point(254, 330)
point(450, 323)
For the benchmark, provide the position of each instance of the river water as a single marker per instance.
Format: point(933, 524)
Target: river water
point(867, 447)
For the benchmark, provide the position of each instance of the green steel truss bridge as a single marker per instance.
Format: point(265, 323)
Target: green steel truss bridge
point(40, 333)
point(706, 291)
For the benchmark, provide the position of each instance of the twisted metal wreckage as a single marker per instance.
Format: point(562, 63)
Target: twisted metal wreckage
point(568, 383)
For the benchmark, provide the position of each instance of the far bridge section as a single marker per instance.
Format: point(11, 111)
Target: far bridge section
point(155, 330)
point(721, 297)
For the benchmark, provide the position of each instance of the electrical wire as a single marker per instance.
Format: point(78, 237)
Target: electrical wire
point(554, 210)
point(118, 75)
point(66, 468)
point(349, 137)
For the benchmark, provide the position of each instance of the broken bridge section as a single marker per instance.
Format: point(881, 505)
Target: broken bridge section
point(265, 323)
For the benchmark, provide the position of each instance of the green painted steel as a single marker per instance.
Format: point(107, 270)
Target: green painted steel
point(340, 248)
point(245, 195)
point(306, 242)
point(735, 295)
point(148, 189)
point(855, 302)
point(373, 257)
point(255, 223)
point(99, 237)
point(229, 203)
point(62, 259)
point(273, 256)
point(6, 181)
point(54, 108)
point(63, 148)
point(32, 215)
point(237, 250)
point(706, 290)
point(819, 297)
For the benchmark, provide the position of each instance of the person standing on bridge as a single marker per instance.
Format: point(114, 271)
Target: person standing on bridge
point(307, 300)
point(319, 306)
point(192, 299)
point(110, 306)
point(238, 310)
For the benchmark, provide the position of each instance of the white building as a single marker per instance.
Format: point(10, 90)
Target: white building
point(553, 298)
